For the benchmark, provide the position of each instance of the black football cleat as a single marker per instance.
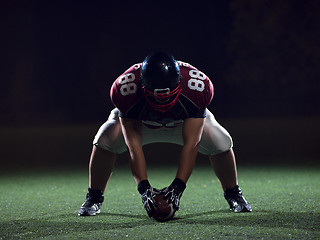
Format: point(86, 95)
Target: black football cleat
point(92, 204)
point(236, 201)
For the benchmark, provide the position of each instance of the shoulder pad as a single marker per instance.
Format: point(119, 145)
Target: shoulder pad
point(196, 86)
point(125, 90)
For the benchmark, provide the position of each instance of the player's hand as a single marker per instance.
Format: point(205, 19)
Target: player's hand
point(174, 192)
point(148, 200)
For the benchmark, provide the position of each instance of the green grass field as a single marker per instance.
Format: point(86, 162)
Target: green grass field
point(44, 204)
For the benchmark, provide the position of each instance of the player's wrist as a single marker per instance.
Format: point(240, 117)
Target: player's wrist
point(143, 186)
point(178, 184)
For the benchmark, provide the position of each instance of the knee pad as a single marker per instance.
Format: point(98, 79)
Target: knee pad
point(109, 135)
point(215, 139)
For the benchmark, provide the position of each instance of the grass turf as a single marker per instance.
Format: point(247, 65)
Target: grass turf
point(44, 204)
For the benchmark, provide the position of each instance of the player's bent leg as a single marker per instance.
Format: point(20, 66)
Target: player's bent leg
point(100, 171)
point(107, 143)
point(100, 168)
point(224, 166)
point(217, 143)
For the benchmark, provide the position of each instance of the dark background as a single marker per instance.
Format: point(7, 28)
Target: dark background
point(59, 59)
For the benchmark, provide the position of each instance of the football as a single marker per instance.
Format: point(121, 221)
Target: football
point(163, 211)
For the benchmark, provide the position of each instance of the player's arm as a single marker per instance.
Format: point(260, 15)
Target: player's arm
point(132, 132)
point(192, 131)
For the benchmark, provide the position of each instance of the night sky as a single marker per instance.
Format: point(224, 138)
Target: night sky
point(59, 58)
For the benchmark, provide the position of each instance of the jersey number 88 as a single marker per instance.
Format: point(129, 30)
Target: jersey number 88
point(196, 82)
point(128, 86)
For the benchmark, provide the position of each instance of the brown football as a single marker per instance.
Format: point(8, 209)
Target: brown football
point(163, 211)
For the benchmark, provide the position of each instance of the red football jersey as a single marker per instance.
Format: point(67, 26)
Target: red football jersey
point(197, 93)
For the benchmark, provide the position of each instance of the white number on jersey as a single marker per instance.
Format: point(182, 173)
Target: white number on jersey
point(196, 81)
point(127, 84)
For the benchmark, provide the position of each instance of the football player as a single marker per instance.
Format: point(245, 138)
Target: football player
point(162, 100)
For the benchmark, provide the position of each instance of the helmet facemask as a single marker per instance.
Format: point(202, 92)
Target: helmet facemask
point(162, 100)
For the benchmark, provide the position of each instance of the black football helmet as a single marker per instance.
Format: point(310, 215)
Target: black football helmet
point(160, 79)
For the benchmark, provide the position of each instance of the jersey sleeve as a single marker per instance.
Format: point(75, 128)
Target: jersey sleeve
point(125, 90)
point(196, 86)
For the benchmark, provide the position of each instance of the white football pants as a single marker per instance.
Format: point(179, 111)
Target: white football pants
point(215, 139)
